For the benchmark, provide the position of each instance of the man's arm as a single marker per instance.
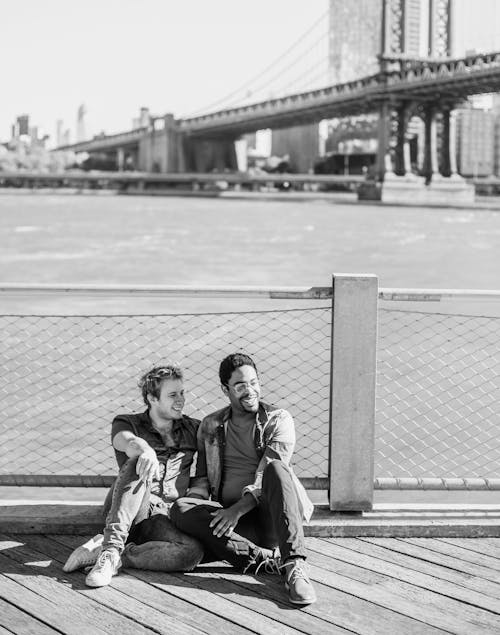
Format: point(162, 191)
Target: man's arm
point(199, 487)
point(147, 466)
point(279, 446)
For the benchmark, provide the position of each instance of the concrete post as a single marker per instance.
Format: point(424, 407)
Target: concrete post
point(352, 391)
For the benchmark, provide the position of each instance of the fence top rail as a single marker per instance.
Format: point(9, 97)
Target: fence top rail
point(216, 291)
point(277, 293)
point(437, 295)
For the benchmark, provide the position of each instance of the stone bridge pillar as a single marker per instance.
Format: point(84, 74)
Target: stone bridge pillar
point(120, 159)
point(430, 167)
point(210, 155)
point(448, 142)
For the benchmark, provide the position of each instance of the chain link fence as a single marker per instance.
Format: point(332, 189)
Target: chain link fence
point(64, 378)
point(438, 395)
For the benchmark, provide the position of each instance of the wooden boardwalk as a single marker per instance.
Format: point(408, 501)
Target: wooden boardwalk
point(364, 585)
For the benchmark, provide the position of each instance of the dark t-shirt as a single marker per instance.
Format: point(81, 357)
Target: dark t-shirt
point(175, 460)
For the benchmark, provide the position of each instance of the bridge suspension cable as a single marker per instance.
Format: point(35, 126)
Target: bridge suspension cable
point(302, 66)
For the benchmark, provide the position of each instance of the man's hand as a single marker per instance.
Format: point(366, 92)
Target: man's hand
point(224, 521)
point(147, 466)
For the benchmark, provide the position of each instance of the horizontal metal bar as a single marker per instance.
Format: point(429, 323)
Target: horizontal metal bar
point(437, 295)
point(56, 480)
point(274, 293)
point(215, 291)
point(104, 480)
point(310, 483)
point(448, 484)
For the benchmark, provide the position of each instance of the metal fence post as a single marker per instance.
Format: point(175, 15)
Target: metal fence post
point(352, 391)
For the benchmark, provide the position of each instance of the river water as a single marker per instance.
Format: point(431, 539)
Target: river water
point(203, 241)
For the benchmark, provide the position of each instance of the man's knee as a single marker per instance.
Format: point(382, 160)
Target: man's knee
point(182, 508)
point(189, 513)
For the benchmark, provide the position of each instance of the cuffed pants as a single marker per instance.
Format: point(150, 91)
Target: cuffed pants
point(275, 522)
point(134, 517)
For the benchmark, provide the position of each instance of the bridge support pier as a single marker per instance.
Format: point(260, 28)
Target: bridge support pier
point(209, 155)
point(161, 148)
point(430, 168)
point(120, 159)
point(439, 183)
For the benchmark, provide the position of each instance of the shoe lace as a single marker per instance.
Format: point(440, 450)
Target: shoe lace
point(272, 566)
point(103, 557)
point(298, 571)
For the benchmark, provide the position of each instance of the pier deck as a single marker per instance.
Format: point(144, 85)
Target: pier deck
point(364, 585)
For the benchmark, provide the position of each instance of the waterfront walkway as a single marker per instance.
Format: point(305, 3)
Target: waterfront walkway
point(364, 585)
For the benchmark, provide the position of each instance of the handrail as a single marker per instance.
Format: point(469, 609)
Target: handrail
point(185, 177)
point(105, 480)
point(437, 295)
point(311, 483)
point(275, 293)
point(444, 483)
point(221, 291)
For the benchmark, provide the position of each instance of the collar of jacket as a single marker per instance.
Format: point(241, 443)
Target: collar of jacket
point(261, 419)
point(261, 416)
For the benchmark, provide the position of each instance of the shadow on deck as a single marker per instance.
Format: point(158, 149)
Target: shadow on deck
point(364, 585)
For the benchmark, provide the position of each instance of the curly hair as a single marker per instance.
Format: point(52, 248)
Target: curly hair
point(230, 363)
point(150, 382)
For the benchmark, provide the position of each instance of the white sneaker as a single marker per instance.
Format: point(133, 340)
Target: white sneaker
point(84, 555)
point(108, 564)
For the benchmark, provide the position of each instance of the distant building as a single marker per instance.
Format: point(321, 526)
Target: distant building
point(66, 137)
point(59, 132)
point(475, 142)
point(23, 125)
point(81, 133)
point(355, 37)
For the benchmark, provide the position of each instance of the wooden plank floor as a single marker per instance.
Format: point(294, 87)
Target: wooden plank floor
point(384, 586)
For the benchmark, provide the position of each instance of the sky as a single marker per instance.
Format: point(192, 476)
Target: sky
point(175, 56)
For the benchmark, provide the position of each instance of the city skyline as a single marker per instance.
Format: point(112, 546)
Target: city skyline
point(171, 57)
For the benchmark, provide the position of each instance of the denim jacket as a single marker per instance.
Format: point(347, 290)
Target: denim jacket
point(274, 438)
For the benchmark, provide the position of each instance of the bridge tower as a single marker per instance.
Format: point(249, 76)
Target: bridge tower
point(396, 113)
point(393, 169)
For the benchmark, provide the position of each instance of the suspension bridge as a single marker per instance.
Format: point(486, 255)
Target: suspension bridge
point(296, 90)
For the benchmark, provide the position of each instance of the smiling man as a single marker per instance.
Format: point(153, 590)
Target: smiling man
point(257, 503)
point(154, 451)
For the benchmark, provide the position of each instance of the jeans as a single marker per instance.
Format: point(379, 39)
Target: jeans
point(134, 517)
point(276, 521)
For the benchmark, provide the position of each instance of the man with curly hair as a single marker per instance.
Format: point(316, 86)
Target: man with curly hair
point(257, 503)
point(154, 451)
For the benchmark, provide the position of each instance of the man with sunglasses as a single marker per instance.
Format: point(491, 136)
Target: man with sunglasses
point(154, 451)
point(256, 501)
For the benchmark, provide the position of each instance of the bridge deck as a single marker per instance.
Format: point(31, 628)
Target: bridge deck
point(364, 585)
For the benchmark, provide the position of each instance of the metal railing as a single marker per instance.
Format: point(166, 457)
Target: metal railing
point(431, 425)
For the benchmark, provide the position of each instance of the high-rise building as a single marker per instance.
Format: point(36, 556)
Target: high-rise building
point(475, 142)
point(59, 132)
point(80, 123)
point(23, 125)
point(356, 38)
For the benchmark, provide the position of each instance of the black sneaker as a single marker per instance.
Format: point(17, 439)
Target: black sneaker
point(266, 560)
